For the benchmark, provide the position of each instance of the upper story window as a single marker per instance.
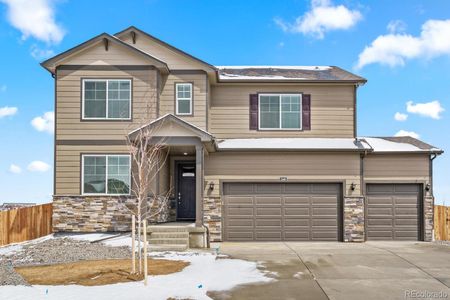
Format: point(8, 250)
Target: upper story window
point(183, 100)
point(280, 111)
point(106, 99)
point(106, 174)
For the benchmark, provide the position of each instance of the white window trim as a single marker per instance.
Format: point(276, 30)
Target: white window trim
point(106, 174)
point(190, 99)
point(107, 99)
point(279, 128)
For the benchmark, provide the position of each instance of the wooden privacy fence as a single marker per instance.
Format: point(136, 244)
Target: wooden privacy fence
point(23, 224)
point(442, 223)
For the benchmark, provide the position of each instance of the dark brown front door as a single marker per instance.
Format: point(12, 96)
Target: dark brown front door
point(186, 191)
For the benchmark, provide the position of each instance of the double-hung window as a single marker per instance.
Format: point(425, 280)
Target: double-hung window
point(280, 111)
point(106, 174)
point(108, 99)
point(183, 98)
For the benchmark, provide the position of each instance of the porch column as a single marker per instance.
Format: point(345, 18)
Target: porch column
point(199, 185)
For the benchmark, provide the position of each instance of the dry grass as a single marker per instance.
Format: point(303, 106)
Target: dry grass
point(95, 272)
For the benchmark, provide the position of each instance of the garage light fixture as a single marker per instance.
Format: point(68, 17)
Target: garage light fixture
point(353, 186)
point(211, 186)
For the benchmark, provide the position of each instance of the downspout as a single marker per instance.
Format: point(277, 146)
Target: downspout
point(432, 157)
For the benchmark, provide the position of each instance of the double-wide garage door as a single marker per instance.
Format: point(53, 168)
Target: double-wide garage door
point(393, 212)
point(282, 211)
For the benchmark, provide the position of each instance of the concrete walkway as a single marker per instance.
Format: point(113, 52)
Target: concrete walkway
point(319, 270)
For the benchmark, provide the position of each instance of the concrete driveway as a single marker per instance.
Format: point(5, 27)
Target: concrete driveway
point(319, 270)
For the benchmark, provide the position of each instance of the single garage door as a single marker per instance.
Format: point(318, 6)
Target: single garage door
point(393, 212)
point(282, 212)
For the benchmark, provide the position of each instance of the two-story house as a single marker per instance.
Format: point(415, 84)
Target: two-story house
point(255, 153)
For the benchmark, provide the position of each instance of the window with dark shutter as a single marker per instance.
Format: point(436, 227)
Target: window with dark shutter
point(253, 111)
point(306, 112)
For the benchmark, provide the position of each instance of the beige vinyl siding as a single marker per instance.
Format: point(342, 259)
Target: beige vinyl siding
point(172, 58)
point(68, 118)
point(167, 97)
point(297, 167)
point(332, 110)
point(68, 165)
point(396, 167)
point(97, 55)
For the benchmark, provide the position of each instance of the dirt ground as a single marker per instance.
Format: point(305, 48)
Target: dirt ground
point(95, 272)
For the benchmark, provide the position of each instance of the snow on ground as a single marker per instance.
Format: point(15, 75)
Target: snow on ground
point(205, 273)
point(12, 248)
point(91, 237)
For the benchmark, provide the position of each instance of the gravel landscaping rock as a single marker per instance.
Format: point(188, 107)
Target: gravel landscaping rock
point(55, 251)
point(445, 243)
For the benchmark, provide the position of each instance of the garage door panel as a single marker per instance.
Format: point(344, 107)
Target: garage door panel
point(379, 200)
point(282, 211)
point(296, 211)
point(268, 211)
point(240, 200)
point(396, 219)
point(268, 235)
point(240, 222)
point(276, 201)
point(298, 200)
point(324, 211)
point(240, 236)
point(268, 188)
point(324, 200)
point(407, 188)
point(240, 211)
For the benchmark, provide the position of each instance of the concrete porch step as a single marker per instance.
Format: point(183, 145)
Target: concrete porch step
point(165, 241)
point(167, 247)
point(172, 229)
point(161, 235)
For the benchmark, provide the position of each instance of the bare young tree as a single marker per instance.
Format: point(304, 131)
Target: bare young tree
point(148, 154)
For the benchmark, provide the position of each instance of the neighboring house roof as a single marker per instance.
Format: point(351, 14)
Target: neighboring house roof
point(286, 73)
point(297, 144)
point(133, 28)
point(168, 118)
point(51, 63)
point(399, 144)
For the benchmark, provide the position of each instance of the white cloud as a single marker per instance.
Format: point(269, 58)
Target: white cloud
point(45, 122)
point(15, 169)
point(7, 111)
point(407, 133)
point(38, 166)
point(35, 18)
point(39, 53)
point(396, 26)
point(323, 17)
point(431, 109)
point(394, 49)
point(400, 117)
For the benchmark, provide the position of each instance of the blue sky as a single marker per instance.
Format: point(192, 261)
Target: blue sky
point(401, 47)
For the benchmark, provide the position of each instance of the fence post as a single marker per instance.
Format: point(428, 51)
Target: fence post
point(145, 252)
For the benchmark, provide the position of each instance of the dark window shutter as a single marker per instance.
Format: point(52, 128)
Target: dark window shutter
point(253, 111)
point(306, 112)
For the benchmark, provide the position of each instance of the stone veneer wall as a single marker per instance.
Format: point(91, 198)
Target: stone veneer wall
point(212, 217)
point(95, 213)
point(428, 208)
point(354, 219)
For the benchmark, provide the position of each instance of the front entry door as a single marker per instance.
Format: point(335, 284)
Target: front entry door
point(186, 191)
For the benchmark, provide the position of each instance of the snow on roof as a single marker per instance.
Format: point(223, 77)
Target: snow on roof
point(292, 144)
point(397, 144)
point(286, 73)
point(308, 68)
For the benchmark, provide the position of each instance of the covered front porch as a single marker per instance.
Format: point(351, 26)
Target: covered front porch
point(180, 173)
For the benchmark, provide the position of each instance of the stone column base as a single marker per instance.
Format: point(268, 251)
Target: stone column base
point(354, 219)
